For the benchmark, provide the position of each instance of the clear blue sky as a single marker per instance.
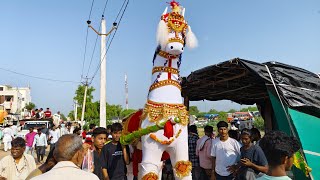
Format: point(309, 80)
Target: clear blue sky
point(47, 39)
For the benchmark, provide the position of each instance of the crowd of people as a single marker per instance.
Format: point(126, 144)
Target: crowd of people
point(98, 154)
point(240, 155)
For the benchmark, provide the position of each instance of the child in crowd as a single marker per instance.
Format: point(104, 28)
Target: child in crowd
point(253, 161)
point(88, 138)
point(279, 149)
point(115, 156)
point(256, 136)
point(99, 138)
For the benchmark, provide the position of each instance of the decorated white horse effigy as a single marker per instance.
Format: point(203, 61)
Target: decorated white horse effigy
point(162, 125)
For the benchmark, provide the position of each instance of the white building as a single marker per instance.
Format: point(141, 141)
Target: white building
point(14, 99)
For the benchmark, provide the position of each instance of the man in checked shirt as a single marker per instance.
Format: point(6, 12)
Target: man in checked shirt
point(193, 158)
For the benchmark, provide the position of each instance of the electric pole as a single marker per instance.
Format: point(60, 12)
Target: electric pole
point(75, 110)
point(103, 67)
point(84, 103)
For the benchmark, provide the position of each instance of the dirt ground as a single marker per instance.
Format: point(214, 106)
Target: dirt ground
point(2, 152)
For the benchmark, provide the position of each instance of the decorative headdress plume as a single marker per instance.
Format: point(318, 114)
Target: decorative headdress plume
point(174, 21)
point(162, 32)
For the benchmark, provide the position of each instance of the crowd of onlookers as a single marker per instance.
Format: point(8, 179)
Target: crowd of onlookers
point(98, 154)
point(240, 155)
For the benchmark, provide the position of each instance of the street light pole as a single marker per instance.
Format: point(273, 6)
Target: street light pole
point(103, 69)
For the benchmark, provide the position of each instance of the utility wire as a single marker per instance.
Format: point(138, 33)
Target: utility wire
point(121, 10)
point(85, 47)
point(112, 37)
point(85, 52)
point(105, 6)
point(91, 10)
point(95, 44)
point(36, 77)
point(94, 49)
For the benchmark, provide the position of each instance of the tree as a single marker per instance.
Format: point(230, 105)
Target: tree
point(63, 117)
point(200, 115)
point(259, 123)
point(222, 116)
point(30, 106)
point(91, 109)
point(232, 111)
point(250, 109)
point(193, 110)
point(213, 111)
point(113, 111)
point(80, 95)
point(71, 115)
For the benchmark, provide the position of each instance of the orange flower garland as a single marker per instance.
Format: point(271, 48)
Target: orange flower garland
point(150, 176)
point(165, 142)
point(183, 168)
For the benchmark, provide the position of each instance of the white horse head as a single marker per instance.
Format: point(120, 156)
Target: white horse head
point(174, 32)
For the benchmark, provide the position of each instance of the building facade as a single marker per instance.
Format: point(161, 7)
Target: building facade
point(14, 99)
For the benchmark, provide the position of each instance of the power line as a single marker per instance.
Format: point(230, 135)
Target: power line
point(36, 77)
point(121, 9)
point(85, 52)
point(85, 47)
point(112, 37)
point(95, 44)
point(94, 49)
point(105, 6)
point(91, 9)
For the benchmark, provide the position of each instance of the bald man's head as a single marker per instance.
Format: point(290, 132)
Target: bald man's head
point(66, 147)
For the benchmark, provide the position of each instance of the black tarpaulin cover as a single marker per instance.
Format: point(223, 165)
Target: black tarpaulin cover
point(248, 82)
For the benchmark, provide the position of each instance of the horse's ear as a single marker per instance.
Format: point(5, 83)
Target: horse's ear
point(183, 11)
point(191, 39)
point(165, 11)
point(162, 33)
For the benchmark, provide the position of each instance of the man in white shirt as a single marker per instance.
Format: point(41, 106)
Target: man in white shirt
point(56, 119)
point(68, 130)
point(40, 143)
point(41, 113)
point(53, 137)
point(7, 137)
point(14, 129)
point(69, 153)
point(225, 152)
point(17, 165)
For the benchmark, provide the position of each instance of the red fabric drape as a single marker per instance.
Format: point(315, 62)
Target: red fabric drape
point(168, 129)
